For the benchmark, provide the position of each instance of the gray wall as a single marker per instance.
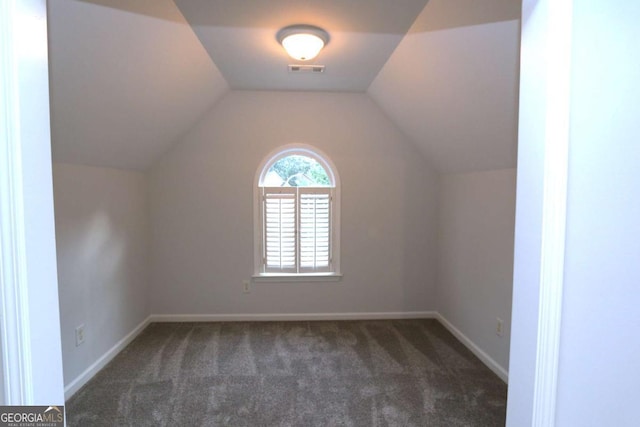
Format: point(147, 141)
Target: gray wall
point(102, 244)
point(600, 348)
point(30, 320)
point(201, 198)
point(599, 367)
point(475, 256)
point(395, 229)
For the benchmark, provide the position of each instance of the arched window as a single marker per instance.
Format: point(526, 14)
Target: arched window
point(296, 214)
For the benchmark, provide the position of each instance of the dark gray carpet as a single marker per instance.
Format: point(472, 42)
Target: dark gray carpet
point(355, 373)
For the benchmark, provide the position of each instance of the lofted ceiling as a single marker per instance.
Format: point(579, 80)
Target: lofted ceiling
point(125, 84)
point(128, 79)
point(240, 36)
point(458, 103)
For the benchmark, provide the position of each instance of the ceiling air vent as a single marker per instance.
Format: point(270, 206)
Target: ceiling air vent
point(314, 69)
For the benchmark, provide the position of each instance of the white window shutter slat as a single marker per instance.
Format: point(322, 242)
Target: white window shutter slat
point(297, 229)
point(279, 237)
point(314, 229)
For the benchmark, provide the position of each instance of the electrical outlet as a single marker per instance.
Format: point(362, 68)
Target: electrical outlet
point(499, 327)
point(246, 288)
point(79, 335)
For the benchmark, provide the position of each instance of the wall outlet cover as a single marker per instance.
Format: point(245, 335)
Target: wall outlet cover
point(499, 327)
point(79, 335)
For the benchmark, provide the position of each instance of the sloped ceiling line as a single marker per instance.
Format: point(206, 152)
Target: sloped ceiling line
point(124, 85)
point(128, 79)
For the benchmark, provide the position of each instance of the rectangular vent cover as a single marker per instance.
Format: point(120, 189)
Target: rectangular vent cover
point(315, 69)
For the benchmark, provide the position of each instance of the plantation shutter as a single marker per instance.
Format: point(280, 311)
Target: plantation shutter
point(296, 229)
point(279, 229)
point(314, 227)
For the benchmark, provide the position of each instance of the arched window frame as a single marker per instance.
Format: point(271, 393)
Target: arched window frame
point(259, 263)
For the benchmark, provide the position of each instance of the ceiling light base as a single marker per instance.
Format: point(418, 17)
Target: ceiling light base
point(303, 42)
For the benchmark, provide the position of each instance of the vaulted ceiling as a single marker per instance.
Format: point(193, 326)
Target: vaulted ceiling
point(128, 79)
point(240, 36)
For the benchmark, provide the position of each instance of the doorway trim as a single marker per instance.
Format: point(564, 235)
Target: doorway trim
point(14, 296)
point(543, 166)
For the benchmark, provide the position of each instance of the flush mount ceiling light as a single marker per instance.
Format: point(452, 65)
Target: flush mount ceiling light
point(302, 42)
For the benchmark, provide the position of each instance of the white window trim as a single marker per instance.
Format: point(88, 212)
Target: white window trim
point(332, 172)
point(304, 277)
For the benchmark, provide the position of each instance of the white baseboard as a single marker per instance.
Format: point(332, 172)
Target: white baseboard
point(83, 378)
point(266, 317)
point(480, 354)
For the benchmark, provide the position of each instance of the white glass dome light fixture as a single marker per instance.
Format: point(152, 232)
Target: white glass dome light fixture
point(303, 42)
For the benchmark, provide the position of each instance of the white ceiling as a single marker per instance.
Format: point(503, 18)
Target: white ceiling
point(458, 102)
point(240, 37)
point(443, 14)
point(128, 79)
point(124, 85)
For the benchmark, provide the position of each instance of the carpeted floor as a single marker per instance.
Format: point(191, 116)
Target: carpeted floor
point(337, 373)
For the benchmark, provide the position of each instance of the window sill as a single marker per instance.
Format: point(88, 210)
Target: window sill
point(286, 278)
